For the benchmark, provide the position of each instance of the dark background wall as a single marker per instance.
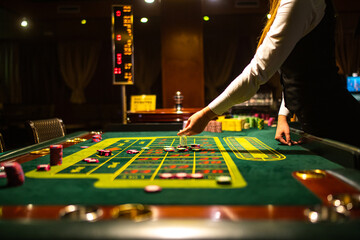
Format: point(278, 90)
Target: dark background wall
point(32, 87)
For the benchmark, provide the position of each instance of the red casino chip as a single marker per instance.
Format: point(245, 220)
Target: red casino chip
point(132, 151)
point(14, 174)
point(103, 152)
point(169, 149)
point(43, 167)
point(91, 160)
point(181, 175)
point(166, 175)
point(182, 149)
point(107, 153)
point(195, 145)
point(152, 188)
point(196, 149)
point(197, 175)
point(96, 138)
point(56, 154)
point(223, 180)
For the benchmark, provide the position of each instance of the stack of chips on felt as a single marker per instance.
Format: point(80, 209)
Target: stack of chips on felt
point(43, 167)
point(96, 138)
point(91, 160)
point(56, 154)
point(271, 121)
point(214, 126)
point(14, 174)
point(103, 152)
point(260, 123)
point(169, 149)
point(238, 123)
point(2, 173)
point(183, 141)
point(232, 124)
point(132, 151)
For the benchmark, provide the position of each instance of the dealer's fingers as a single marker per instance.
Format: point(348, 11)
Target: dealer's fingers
point(288, 139)
point(186, 130)
point(282, 140)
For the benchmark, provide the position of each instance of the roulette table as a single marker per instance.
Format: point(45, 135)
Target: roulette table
point(275, 191)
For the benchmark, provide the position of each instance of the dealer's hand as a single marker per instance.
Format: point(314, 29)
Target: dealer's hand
point(283, 132)
point(197, 122)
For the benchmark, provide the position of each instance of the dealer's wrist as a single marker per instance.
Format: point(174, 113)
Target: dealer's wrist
point(208, 113)
point(282, 118)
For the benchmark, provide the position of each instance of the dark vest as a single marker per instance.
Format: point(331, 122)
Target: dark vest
point(310, 70)
point(314, 91)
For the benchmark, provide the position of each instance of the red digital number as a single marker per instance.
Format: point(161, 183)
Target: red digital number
point(117, 70)
point(119, 58)
point(118, 13)
point(118, 37)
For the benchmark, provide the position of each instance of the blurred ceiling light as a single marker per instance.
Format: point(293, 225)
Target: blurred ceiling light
point(24, 23)
point(206, 18)
point(268, 16)
point(144, 20)
point(83, 21)
point(149, 1)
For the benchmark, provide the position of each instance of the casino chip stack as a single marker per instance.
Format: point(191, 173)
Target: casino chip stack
point(91, 160)
point(271, 121)
point(2, 174)
point(132, 151)
point(96, 138)
point(56, 154)
point(260, 123)
point(223, 180)
point(214, 126)
point(181, 175)
point(169, 149)
point(182, 148)
point(43, 167)
point(183, 141)
point(195, 147)
point(218, 126)
point(14, 174)
point(152, 188)
point(105, 153)
point(166, 175)
point(252, 122)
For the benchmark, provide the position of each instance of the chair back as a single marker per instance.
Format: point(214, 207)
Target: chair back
point(2, 144)
point(47, 129)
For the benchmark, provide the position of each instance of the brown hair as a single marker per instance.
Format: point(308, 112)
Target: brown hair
point(274, 5)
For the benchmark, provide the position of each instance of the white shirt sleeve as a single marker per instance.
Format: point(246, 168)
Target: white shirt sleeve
point(294, 19)
point(283, 110)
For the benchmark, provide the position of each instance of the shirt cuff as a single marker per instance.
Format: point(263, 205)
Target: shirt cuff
point(283, 110)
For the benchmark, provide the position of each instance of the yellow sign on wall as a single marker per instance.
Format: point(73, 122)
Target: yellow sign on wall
point(143, 103)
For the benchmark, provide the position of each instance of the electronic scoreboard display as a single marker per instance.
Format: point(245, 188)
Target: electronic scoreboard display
point(122, 44)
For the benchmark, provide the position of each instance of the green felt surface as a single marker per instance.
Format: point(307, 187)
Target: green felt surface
point(267, 182)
